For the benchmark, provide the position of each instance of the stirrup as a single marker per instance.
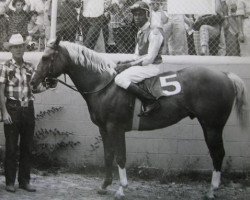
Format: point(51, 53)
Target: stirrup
point(149, 109)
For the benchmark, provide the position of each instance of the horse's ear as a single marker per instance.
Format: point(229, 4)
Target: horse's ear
point(58, 39)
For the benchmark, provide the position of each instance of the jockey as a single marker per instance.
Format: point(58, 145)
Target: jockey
point(147, 61)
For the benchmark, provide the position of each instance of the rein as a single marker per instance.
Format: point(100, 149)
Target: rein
point(64, 82)
point(104, 87)
point(69, 86)
point(92, 92)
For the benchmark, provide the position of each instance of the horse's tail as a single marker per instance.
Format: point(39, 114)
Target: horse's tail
point(240, 99)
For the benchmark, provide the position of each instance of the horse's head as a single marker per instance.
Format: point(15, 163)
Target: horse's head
point(51, 65)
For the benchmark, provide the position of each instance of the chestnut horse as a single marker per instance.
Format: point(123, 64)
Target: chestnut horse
point(207, 95)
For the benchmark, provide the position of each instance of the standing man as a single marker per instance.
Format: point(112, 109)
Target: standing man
point(93, 19)
point(16, 102)
point(147, 61)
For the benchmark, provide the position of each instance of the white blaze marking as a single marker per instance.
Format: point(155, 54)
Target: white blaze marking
point(216, 179)
point(123, 176)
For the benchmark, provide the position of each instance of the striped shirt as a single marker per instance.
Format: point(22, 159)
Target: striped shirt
point(16, 79)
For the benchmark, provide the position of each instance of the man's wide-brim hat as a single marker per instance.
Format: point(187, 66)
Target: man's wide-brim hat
point(15, 39)
point(139, 5)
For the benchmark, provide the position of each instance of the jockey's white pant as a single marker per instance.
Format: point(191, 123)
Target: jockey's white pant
point(136, 74)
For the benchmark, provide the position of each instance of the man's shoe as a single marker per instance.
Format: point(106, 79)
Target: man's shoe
point(27, 187)
point(10, 188)
point(150, 108)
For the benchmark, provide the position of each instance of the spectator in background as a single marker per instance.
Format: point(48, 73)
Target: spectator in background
point(36, 32)
point(243, 19)
point(18, 18)
point(210, 31)
point(3, 22)
point(175, 40)
point(231, 29)
point(67, 19)
point(107, 30)
point(92, 20)
point(121, 20)
point(157, 16)
point(42, 7)
point(190, 34)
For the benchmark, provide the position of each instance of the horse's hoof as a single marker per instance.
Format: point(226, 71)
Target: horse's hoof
point(209, 196)
point(125, 186)
point(102, 191)
point(119, 196)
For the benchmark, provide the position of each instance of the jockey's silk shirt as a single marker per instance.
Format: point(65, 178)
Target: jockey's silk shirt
point(16, 79)
point(149, 44)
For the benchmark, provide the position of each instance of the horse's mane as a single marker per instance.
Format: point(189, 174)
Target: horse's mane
point(88, 58)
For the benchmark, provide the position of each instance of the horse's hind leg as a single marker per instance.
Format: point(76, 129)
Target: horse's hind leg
point(213, 138)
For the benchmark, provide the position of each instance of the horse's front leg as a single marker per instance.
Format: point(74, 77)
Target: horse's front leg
point(120, 153)
point(115, 145)
point(109, 158)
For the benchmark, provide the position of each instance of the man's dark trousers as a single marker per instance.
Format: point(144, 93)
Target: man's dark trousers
point(23, 124)
point(91, 28)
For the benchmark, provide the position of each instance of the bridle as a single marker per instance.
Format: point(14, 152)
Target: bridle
point(50, 77)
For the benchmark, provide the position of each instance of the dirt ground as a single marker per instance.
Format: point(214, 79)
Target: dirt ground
point(67, 186)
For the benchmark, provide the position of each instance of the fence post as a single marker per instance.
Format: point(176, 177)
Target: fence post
point(53, 19)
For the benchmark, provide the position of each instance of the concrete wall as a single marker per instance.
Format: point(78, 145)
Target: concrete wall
point(180, 146)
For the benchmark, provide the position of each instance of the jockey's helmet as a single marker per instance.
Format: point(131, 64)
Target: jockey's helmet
point(139, 5)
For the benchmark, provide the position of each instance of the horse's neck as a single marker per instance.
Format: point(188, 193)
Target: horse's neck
point(88, 70)
point(87, 80)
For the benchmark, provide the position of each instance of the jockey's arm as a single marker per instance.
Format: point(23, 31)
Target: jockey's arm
point(155, 42)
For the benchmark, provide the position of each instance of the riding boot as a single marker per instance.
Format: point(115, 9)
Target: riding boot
point(149, 102)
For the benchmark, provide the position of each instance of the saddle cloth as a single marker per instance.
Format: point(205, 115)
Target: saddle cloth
point(165, 84)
